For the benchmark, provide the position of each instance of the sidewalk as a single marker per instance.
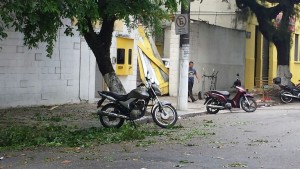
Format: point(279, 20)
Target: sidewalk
point(198, 108)
point(194, 108)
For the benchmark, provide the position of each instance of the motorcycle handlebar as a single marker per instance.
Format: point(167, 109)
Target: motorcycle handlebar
point(141, 84)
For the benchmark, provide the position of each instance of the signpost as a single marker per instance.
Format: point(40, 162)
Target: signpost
point(182, 22)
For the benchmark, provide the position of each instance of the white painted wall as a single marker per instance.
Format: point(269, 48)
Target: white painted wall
point(29, 78)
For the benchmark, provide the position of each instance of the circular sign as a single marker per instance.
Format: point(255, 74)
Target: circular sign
point(181, 21)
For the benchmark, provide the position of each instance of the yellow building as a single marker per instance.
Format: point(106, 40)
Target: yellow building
point(261, 57)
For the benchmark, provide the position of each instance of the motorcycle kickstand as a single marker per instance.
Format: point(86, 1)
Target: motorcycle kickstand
point(133, 123)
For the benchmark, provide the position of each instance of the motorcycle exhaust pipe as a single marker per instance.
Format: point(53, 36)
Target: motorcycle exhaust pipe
point(104, 113)
point(288, 95)
point(215, 107)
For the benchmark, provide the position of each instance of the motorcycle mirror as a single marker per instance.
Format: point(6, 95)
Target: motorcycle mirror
point(238, 74)
point(147, 76)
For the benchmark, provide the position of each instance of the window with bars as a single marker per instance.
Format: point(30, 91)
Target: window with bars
point(296, 52)
point(120, 56)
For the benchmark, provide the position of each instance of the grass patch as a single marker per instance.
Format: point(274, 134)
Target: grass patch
point(208, 123)
point(145, 143)
point(18, 137)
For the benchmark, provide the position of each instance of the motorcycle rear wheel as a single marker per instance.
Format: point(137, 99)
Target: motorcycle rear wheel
point(212, 110)
point(286, 99)
point(165, 119)
point(248, 107)
point(111, 122)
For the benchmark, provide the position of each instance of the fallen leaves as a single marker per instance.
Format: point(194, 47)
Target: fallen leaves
point(237, 164)
point(66, 162)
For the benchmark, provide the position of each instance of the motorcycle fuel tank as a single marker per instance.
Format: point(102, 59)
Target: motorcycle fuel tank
point(139, 93)
point(156, 89)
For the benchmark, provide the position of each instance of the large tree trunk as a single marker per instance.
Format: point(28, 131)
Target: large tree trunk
point(100, 45)
point(283, 71)
point(283, 46)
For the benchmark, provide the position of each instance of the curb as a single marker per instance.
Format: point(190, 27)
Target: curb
point(193, 114)
point(260, 104)
point(267, 103)
point(148, 119)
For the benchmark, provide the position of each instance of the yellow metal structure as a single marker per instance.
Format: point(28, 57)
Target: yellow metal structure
point(148, 63)
point(124, 59)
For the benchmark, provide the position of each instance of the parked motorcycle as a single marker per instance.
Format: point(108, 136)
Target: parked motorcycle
point(288, 92)
point(133, 106)
point(220, 100)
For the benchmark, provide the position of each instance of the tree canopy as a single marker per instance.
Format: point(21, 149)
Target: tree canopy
point(40, 20)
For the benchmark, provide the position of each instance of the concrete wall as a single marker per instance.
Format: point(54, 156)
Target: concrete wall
point(171, 50)
point(219, 49)
point(28, 77)
point(217, 12)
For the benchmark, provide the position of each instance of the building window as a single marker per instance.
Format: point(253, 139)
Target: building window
point(120, 56)
point(296, 52)
point(129, 56)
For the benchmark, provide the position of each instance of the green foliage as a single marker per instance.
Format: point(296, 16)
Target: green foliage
point(40, 20)
point(16, 136)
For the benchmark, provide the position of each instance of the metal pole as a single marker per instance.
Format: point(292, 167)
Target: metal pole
point(182, 98)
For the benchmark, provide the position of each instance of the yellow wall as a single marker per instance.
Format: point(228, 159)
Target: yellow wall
point(125, 68)
point(272, 62)
point(250, 58)
point(160, 48)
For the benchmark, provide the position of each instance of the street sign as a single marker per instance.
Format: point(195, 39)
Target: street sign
point(181, 24)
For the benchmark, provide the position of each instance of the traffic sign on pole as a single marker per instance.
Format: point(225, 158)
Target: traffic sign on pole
point(181, 24)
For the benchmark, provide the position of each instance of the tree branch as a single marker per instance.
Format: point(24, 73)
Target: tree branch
point(263, 14)
point(274, 1)
point(274, 11)
point(295, 1)
point(90, 35)
point(89, 24)
point(282, 1)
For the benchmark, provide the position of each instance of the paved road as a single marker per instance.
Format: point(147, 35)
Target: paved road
point(268, 138)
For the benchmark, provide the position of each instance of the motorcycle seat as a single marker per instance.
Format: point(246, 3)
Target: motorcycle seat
point(118, 97)
point(225, 93)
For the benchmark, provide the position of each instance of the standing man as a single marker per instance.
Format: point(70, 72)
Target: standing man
point(192, 73)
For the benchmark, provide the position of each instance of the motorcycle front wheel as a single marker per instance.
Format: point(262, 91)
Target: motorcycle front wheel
point(212, 110)
point(249, 104)
point(111, 122)
point(286, 99)
point(164, 116)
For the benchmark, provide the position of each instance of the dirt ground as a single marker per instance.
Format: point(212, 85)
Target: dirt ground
point(80, 115)
point(83, 115)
